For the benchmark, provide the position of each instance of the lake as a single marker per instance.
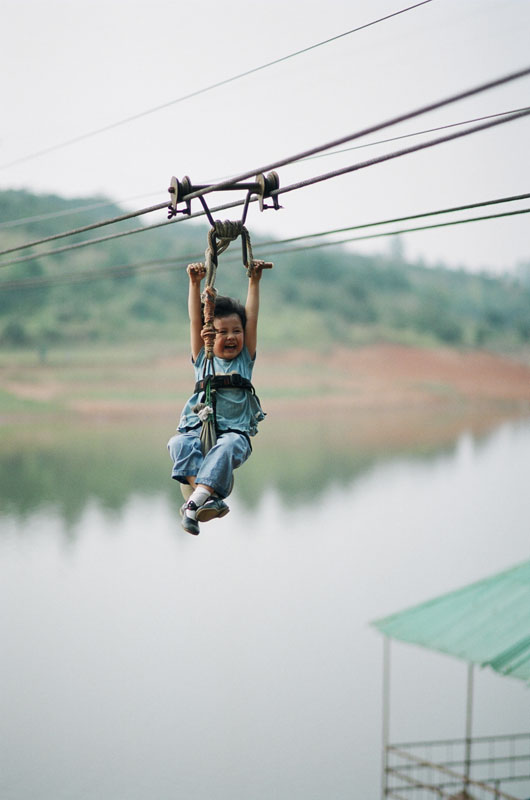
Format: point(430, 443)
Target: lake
point(140, 662)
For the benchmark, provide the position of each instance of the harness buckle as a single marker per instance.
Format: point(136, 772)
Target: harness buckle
point(235, 379)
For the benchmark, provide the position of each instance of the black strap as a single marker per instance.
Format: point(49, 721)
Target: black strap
point(231, 380)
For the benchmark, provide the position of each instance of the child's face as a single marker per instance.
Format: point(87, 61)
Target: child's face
point(230, 336)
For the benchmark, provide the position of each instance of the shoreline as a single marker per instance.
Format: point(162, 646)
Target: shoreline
point(293, 384)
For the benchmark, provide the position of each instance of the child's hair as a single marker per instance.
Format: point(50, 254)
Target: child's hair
point(225, 306)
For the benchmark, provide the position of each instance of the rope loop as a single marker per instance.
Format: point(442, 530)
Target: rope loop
point(228, 230)
point(219, 238)
point(248, 258)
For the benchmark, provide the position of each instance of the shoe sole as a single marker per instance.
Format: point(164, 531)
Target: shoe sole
point(210, 513)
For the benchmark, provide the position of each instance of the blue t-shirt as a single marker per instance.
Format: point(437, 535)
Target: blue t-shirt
point(235, 409)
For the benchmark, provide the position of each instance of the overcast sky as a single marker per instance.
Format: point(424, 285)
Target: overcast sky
point(70, 67)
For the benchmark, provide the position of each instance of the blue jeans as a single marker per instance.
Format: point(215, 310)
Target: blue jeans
point(216, 468)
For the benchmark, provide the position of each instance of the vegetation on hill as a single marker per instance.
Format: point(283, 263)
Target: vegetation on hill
point(312, 298)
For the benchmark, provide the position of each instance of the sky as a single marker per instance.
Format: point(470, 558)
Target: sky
point(71, 67)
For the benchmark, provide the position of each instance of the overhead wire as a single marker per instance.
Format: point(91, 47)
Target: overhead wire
point(170, 264)
point(364, 132)
point(130, 232)
point(84, 228)
point(211, 87)
point(125, 270)
point(398, 153)
point(17, 222)
point(383, 234)
point(65, 212)
point(320, 148)
point(415, 133)
point(422, 215)
point(84, 276)
point(283, 190)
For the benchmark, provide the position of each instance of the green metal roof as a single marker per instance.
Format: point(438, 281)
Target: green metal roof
point(487, 623)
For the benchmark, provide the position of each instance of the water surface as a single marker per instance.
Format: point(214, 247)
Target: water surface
point(141, 662)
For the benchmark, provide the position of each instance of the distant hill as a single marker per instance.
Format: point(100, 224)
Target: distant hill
point(312, 298)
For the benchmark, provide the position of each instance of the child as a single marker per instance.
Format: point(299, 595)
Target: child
point(237, 410)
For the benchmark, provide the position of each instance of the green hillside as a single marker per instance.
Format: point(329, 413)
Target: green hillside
point(312, 298)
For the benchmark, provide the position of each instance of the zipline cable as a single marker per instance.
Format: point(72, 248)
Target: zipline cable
point(84, 276)
point(452, 209)
point(163, 265)
point(145, 229)
point(318, 149)
point(382, 234)
point(415, 133)
point(64, 212)
point(130, 269)
point(85, 228)
point(205, 89)
point(285, 189)
point(13, 223)
point(364, 132)
point(398, 153)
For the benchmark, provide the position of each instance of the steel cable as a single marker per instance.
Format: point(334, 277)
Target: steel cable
point(125, 270)
point(85, 228)
point(398, 153)
point(83, 276)
point(364, 132)
point(415, 133)
point(88, 242)
point(383, 234)
point(452, 209)
point(205, 89)
point(13, 223)
point(291, 187)
point(320, 148)
point(64, 212)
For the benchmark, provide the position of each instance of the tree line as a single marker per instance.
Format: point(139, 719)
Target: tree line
point(312, 298)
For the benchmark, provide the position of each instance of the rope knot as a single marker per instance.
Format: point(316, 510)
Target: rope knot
point(228, 229)
point(209, 294)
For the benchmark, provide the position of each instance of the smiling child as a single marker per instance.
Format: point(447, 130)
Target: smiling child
point(237, 409)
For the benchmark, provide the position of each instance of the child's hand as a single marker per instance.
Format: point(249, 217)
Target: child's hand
point(196, 273)
point(257, 269)
point(207, 331)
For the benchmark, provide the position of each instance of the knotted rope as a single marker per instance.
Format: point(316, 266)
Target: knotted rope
point(219, 239)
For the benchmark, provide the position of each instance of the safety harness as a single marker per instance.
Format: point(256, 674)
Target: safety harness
point(229, 380)
point(219, 238)
point(209, 386)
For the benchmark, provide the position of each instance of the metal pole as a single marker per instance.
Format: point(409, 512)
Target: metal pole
point(469, 727)
point(386, 714)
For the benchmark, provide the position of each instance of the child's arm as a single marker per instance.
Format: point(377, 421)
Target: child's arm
point(196, 273)
point(252, 309)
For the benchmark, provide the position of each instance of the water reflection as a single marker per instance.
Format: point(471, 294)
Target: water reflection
point(68, 466)
point(65, 467)
point(145, 663)
point(55, 481)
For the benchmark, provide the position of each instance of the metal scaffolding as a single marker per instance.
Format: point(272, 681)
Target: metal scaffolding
point(485, 624)
point(481, 768)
